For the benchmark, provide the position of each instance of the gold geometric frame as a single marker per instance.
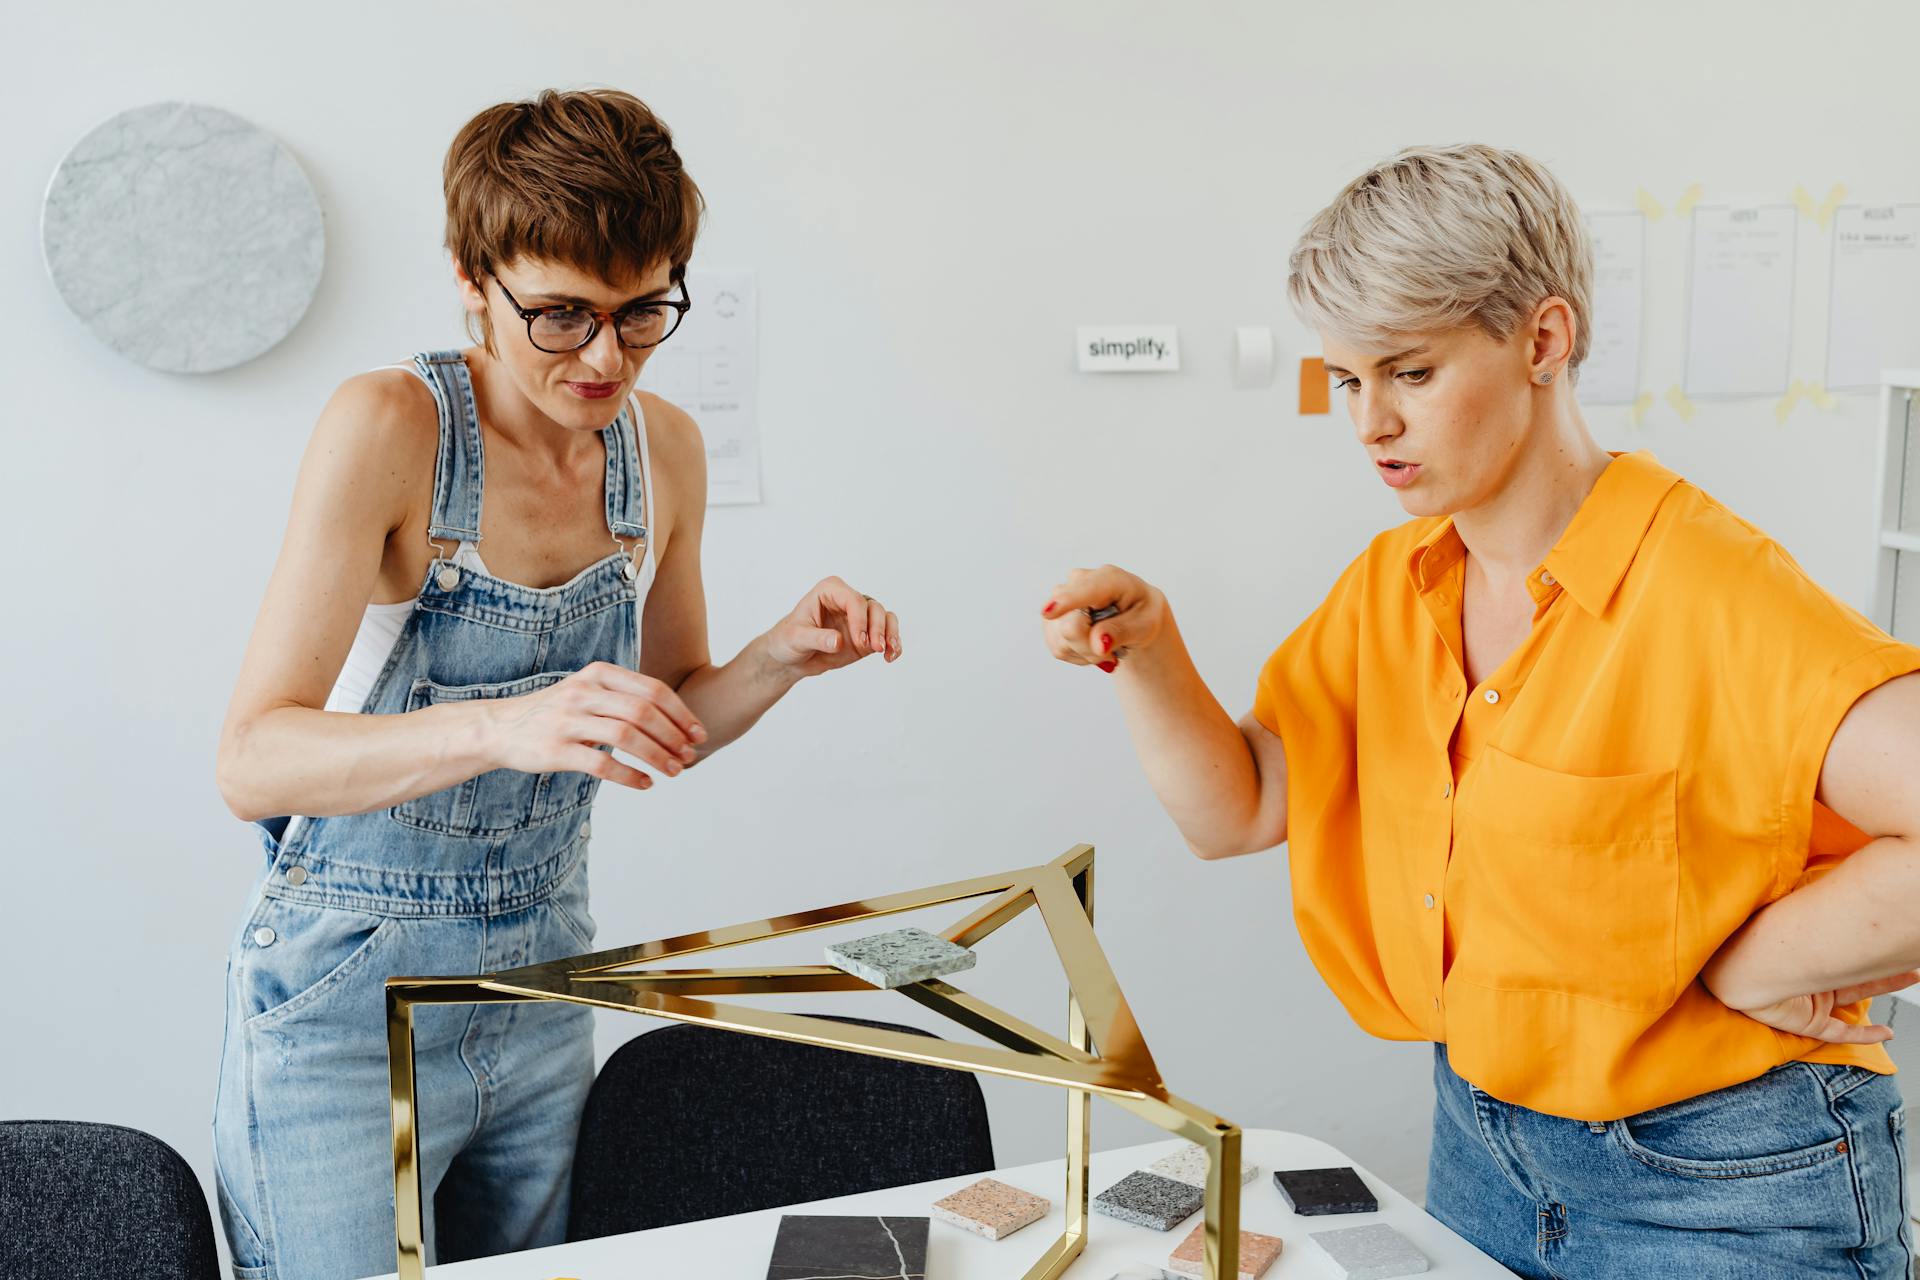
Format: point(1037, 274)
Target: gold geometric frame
point(1103, 1052)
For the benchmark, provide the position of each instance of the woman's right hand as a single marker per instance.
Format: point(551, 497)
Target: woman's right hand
point(559, 729)
point(1073, 635)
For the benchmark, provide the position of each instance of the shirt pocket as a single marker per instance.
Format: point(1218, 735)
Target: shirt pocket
point(1572, 883)
point(500, 801)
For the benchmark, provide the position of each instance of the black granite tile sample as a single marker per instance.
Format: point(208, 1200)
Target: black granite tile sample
point(1149, 1200)
point(1313, 1192)
point(814, 1246)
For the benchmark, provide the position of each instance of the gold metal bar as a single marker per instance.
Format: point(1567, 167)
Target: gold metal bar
point(784, 980)
point(800, 922)
point(1079, 1102)
point(1075, 860)
point(995, 1024)
point(1105, 1079)
point(1223, 1204)
point(974, 928)
point(1059, 1256)
point(408, 1227)
point(1109, 1019)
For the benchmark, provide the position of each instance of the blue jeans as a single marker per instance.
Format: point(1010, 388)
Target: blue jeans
point(1800, 1173)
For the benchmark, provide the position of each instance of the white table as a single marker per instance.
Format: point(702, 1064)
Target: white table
point(738, 1247)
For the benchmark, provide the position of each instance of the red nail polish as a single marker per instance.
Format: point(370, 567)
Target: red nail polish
point(1109, 667)
point(1106, 643)
point(1049, 608)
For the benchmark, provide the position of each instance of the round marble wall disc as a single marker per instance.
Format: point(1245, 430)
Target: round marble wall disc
point(185, 237)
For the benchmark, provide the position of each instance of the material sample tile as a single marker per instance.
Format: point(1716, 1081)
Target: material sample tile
point(847, 1248)
point(1149, 1200)
point(1373, 1252)
point(991, 1209)
point(889, 960)
point(1257, 1253)
point(1312, 1192)
point(1189, 1165)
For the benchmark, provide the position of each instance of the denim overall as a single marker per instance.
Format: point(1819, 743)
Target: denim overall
point(483, 876)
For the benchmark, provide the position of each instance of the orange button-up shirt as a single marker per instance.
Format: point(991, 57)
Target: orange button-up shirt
point(1535, 869)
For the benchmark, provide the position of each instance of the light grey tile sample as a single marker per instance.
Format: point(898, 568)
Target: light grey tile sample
point(1373, 1252)
point(890, 960)
point(1189, 1165)
point(1149, 1200)
point(186, 238)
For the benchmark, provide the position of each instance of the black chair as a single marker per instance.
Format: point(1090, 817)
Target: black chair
point(100, 1201)
point(690, 1122)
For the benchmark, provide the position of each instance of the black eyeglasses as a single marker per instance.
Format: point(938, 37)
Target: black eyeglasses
point(564, 328)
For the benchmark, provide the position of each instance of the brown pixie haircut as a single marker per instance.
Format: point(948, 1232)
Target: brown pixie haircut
point(588, 178)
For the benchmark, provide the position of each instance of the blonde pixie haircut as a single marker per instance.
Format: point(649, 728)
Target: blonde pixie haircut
point(1440, 237)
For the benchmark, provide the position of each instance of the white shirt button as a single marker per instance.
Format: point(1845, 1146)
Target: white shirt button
point(263, 936)
point(1546, 579)
point(296, 876)
point(1493, 695)
point(1446, 792)
point(1429, 902)
point(1436, 1003)
point(448, 578)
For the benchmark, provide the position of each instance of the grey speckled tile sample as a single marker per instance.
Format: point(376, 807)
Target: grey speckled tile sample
point(1312, 1192)
point(1149, 1200)
point(890, 960)
point(1374, 1252)
point(818, 1246)
point(1189, 1165)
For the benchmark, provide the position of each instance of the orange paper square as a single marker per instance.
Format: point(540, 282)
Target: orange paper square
point(1313, 386)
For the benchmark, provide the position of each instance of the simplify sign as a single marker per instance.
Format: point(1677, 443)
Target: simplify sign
point(1129, 348)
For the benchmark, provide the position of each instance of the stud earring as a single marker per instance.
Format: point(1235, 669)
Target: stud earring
point(1546, 376)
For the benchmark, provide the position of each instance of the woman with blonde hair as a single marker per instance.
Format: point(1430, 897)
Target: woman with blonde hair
point(443, 721)
point(1582, 779)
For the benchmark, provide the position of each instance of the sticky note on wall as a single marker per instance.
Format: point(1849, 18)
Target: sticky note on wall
point(1313, 385)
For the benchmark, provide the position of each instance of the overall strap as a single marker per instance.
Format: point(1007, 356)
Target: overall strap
point(626, 476)
point(459, 470)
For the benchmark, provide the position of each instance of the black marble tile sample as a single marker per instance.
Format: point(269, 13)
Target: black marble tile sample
point(815, 1246)
point(1312, 1192)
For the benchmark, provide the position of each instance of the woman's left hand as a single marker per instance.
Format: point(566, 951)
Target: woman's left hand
point(833, 626)
point(1812, 1015)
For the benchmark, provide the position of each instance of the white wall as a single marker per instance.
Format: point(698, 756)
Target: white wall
point(933, 196)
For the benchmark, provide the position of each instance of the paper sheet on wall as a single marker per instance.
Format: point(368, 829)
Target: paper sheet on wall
point(1611, 374)
point(1873, 317)
point(710, 368)
point(1740, 301)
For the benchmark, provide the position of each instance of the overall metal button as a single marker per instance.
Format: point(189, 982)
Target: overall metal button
point(628, 571)
point(296, 876)
point(448, 578)
point(586, 830)
point(264, 936)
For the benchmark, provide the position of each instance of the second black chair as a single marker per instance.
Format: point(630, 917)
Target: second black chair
point(690, 1122)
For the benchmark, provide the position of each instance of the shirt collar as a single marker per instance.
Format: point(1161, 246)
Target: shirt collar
point(1593, 555)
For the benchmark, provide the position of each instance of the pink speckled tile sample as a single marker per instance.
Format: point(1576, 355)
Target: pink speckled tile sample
point(991, 1209)
point(1257, 1253)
